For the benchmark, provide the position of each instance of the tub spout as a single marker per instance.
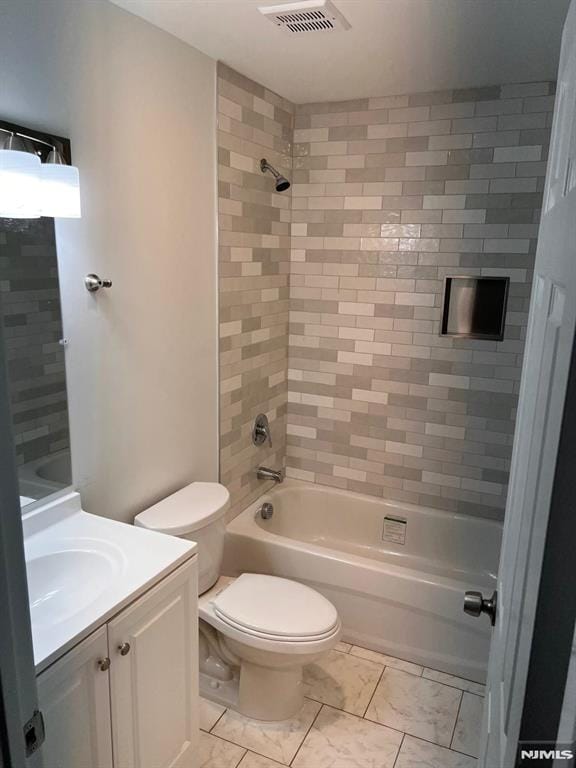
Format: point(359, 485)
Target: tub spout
point(263, 473)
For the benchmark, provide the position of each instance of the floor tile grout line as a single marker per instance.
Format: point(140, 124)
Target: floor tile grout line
point(306, 734)
point(373, 693)
point(363, 716)
point(246, 749)
point(457, 716)
point(330, 706)
point(242, 758)
point(217, 720)
point(399, 750)
point(423, 666)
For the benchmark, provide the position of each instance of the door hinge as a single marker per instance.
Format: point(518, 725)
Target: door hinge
point(34, 733)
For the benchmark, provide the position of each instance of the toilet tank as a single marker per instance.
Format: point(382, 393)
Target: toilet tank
point(197, 512)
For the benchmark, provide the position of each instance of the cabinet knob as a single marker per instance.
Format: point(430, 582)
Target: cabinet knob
point(124, 649)
point(104, 664)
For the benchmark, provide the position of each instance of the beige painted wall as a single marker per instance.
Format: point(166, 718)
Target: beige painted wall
point(139, 107)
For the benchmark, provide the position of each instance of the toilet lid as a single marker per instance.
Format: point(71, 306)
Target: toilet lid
point(275, 607)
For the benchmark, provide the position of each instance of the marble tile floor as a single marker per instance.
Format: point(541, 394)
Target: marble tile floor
point(363, 710)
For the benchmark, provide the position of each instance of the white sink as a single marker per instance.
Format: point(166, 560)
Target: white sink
point(83, 569)
point(65, 582)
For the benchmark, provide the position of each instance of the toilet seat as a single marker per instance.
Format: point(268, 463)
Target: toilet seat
point(270, 636)
point(268, 605)
point(271, 613)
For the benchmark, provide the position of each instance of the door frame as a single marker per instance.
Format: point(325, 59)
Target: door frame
point(556, 603)
point(18, 694)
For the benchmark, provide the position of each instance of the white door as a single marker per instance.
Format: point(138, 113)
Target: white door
point(154, 676)
point(544, 379)
point(74, 697)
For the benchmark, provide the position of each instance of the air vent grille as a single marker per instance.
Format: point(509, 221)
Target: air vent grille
point(305, 17)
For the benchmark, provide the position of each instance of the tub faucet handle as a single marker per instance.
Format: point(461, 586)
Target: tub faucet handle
point(261, 430)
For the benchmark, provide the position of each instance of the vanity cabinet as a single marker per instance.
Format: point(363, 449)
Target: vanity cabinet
point(127, 696)
point(74, 696)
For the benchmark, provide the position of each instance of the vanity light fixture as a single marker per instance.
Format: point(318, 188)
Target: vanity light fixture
point(60, 188)
point(30, 188)
point(19, 179)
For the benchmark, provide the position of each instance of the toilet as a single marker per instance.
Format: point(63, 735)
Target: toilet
point(257, 632)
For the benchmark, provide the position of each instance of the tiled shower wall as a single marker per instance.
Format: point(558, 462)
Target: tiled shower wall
point(30, 301)
point(390, 196)
point(254, 265)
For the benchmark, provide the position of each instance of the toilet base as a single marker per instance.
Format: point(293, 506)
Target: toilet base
point(270, 694)
point(257, 692)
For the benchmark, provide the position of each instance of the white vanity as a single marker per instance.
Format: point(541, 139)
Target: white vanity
point(114, 624)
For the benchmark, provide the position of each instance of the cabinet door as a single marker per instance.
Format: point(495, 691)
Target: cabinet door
point(154, 676)
point(74, 698)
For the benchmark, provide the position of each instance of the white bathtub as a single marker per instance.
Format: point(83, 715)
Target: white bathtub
point(402, 599)
point(43, 476)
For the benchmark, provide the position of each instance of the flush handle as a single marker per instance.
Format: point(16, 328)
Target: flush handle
point(124, 649)
point(476, 604)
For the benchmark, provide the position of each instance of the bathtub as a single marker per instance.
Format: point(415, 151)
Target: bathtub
point(403, 599)
point(41, 477)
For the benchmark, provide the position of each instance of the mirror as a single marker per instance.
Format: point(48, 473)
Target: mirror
point(32, 320)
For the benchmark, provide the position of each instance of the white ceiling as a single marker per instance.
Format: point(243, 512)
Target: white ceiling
point(394, 46)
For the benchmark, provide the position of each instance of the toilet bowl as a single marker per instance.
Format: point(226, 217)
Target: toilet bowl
point(257, 632)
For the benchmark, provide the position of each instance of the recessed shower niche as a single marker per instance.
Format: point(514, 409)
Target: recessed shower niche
point(475, 307)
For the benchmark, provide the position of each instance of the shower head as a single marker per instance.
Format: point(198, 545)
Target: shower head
point(282, 183)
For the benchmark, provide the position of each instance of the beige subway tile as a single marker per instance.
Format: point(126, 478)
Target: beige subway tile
point(298, 430)
point(304, 135)
point(436, 478)
point(352, 474)
point(451, 202)
point(388, 131)
point(346, 161)
point(342, 243)
point(362, 203)
point(328, 176)
point(379, 243)
point(364, 334)
point(451, 141)
point(419, 244)
point(356, 358)
point(443, 430)
point(464, 217)
point(411, 350)
point(343, 189)
point(415, 299)
point(325, 203)
point(403, 448)
point(373, 347)
point(428, 157)
point(369, 396)
point(409, 114)
point(429, 128)
point(328, 148)
point(354, 308)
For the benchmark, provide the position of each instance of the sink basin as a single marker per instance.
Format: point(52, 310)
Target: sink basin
point(83, 569)
point(64, 582)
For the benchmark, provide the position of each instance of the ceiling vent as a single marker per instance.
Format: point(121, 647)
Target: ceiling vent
point(305, 17)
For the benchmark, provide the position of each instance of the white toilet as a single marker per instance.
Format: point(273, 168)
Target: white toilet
point(257, 632)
